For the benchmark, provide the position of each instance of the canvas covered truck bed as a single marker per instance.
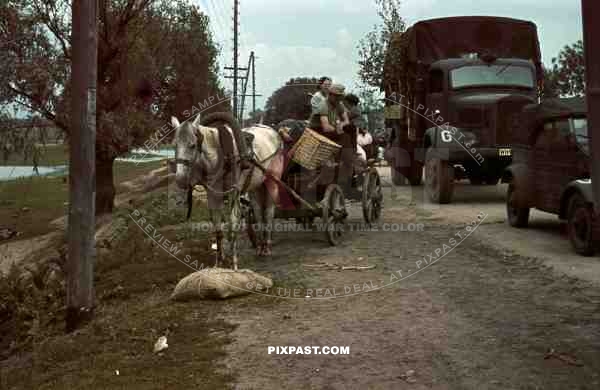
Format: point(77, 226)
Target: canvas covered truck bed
point(431, 40)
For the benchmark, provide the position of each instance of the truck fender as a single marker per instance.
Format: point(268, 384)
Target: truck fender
point(583, 187)
point(518, 176)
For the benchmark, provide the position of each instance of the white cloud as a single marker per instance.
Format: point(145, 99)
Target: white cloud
point(344, 39)
point(295, 38)
point(277, 64)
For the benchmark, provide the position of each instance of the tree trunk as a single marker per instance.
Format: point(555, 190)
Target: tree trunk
point(105, 186)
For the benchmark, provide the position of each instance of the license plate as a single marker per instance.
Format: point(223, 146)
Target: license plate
point(504, 152)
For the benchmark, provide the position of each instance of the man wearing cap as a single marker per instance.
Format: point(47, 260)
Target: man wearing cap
point(329, 115)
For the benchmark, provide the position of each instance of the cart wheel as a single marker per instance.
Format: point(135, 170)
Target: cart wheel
point(372, 197)
point(334, 213)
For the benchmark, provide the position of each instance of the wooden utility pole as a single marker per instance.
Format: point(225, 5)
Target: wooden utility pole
point(591, 31)
point(250, 68)
point(236, 5)
point(82, 164)
point(253, 82)
point(244, 89)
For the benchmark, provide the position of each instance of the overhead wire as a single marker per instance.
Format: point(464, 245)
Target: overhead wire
point(219, 33)
point(221, 19)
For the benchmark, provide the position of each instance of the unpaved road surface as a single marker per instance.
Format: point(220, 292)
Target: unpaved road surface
point(482, 315)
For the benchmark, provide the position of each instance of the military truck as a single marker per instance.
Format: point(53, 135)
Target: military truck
point(452, 86)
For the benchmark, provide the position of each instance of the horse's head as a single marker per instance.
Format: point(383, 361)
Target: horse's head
point(188, 144)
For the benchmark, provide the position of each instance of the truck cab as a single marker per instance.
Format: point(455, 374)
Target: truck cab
point(476, 99)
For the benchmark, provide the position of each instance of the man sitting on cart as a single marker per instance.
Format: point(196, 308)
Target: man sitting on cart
point(329, 118)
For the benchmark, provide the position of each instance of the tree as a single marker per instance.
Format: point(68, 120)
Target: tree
point(550, 88)
point(372, 106)
point(569, 68)
point(254, 117)
point(292, 101)
point(156, 58)
point(372, 47)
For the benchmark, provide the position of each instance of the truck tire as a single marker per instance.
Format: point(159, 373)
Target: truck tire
point(580, 225)
point(517, 216)
point(438, 178)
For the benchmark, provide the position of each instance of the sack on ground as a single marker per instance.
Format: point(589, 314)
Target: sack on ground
point(219, 283)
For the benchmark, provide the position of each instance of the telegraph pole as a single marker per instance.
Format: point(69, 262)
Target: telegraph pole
point(252, 67)
point(82, 165)
point(236, 5)
point(238, 110)
point(244, 89)
point(253, 82)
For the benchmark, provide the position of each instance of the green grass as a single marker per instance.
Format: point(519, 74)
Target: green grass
point(51, 155)
point(28, 205)
point(126, 171)
point(133, 281)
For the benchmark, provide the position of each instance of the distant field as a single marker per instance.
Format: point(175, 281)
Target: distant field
point(43, 198)
point(51, 155)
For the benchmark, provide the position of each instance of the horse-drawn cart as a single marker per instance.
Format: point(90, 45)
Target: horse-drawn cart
point(308, 188)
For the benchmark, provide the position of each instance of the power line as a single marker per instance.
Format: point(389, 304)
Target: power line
point(216, 22)
point(219, 31)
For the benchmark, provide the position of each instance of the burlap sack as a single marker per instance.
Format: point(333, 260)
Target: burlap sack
point(219, 283)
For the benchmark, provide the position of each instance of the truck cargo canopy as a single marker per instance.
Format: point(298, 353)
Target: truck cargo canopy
point(432, 40)
point(436, 39)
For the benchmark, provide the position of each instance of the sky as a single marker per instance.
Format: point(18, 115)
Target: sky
point(295, 38)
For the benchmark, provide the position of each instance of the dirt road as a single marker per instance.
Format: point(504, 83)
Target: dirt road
point(483, 315)
point(456, 300)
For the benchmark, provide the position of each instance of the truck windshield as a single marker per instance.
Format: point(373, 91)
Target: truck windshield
point(478, 75)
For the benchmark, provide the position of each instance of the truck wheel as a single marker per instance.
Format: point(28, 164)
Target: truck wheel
point(580, 225)
point(517, 216)
point(438, 178)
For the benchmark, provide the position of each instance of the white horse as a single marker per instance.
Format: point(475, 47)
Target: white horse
point(200, 160)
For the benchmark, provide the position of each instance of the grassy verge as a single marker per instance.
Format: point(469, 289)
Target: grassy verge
point(50, 155)
point(133, 280)
point(28, 205)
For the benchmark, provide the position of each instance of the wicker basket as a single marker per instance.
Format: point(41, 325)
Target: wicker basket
point(312, 149)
